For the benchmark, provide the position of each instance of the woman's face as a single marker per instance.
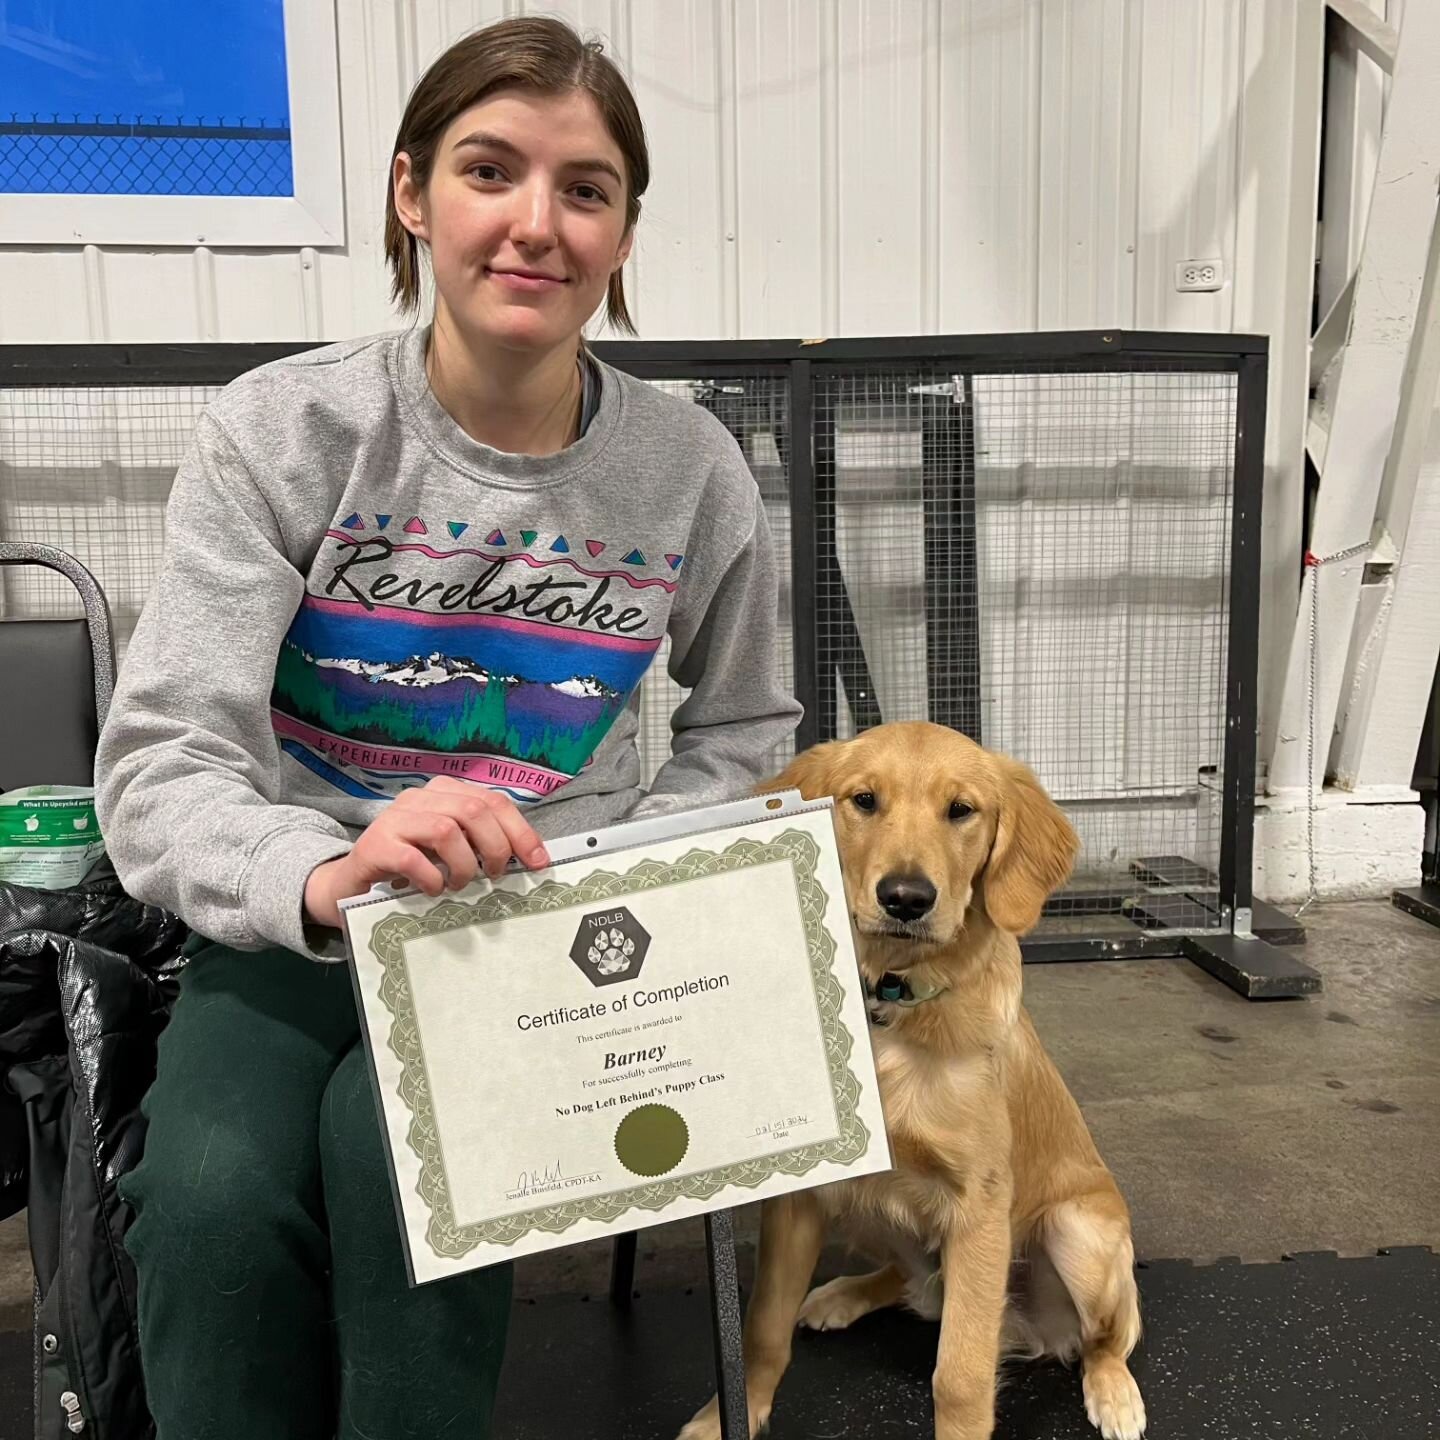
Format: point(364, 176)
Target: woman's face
point(525, 218)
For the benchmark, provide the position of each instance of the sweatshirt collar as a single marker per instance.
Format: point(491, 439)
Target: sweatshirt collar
point(483, 462)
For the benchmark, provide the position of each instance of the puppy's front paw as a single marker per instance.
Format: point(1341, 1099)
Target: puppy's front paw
point(1112, 1401)
point(699, 1429)
point(835, 1305)
point(706, 1424)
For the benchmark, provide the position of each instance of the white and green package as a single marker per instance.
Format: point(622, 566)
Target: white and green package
point(49, 836)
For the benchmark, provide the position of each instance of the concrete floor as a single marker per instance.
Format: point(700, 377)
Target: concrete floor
point(1233, 1128)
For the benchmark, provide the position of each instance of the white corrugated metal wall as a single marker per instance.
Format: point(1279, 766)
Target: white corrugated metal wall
point(844, 167)
point(821, 167)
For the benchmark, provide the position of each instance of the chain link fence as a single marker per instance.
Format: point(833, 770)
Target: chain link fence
point(76, 156)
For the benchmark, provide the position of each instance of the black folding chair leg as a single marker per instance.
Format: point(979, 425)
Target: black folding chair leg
point(725, 1317)
point(622, 1270)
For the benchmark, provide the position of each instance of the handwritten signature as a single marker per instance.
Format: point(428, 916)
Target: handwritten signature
point(532, 1181)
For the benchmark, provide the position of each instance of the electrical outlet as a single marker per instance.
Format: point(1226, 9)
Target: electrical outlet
point(1200, 275)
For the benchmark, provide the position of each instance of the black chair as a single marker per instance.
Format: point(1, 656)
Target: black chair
point(65, 673)
point(725, 1316)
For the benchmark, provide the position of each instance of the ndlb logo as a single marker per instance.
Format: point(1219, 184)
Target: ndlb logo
point(610, 946)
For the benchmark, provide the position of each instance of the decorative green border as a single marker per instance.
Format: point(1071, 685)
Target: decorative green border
point(388, 943)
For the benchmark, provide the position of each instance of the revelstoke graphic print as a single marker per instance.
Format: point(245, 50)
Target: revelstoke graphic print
point(422, 649)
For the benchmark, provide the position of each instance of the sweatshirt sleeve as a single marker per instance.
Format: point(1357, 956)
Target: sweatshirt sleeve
point(724, 651)
point(188, 770)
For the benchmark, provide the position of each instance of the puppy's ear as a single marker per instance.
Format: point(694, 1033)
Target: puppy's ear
point(1035, 846)
point(810, 772)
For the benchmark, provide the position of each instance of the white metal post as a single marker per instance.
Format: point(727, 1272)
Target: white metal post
point(1393, 660)
point(1388, 286)
point(1354, 97)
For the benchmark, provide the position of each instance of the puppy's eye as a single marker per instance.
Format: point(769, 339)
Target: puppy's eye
point(959, 810)
point(863, 800)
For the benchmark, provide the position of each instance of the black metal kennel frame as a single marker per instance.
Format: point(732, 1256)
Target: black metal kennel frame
point(897, 438)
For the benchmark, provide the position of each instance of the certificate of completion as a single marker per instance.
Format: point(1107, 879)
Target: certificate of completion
point(633, 1035)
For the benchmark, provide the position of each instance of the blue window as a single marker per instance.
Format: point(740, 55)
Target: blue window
point(144, 97)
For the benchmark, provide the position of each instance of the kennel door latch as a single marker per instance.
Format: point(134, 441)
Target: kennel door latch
point(953, 389)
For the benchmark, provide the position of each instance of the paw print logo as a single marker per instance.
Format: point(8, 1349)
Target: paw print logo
point(611, 952)
point(610, 946)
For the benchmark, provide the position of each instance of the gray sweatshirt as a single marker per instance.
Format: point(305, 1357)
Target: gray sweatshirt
point(356, 596)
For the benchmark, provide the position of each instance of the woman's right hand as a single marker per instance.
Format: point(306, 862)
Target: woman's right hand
point(451, 820)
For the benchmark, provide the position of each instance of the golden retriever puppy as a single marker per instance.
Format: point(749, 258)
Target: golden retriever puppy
point(949, 852)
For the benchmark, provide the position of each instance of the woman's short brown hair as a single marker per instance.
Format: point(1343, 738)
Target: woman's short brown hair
point(534, 53)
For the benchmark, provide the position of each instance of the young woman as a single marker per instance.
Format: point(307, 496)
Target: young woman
point(411, 586)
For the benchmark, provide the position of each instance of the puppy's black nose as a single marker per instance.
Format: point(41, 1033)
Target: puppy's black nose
point(905, 897)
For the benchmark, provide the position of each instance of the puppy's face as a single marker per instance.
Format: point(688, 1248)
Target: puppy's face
point(928, 821)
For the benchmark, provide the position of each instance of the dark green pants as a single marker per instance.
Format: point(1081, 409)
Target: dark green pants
point(273, 1297)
